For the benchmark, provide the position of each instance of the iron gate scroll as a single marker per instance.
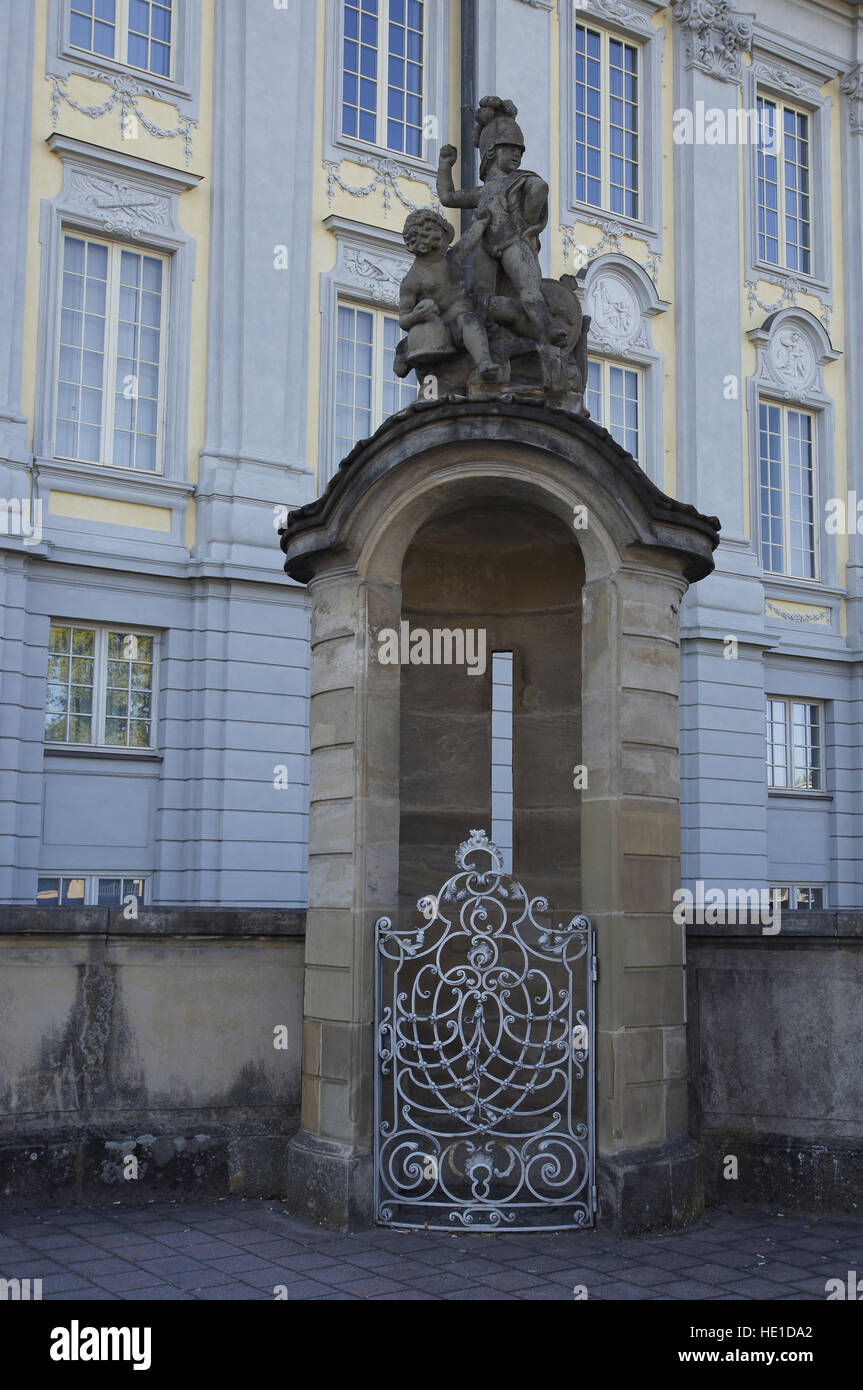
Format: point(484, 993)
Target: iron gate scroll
point(484, 1058)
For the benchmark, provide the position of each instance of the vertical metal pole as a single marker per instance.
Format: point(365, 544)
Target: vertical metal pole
point(467, 154)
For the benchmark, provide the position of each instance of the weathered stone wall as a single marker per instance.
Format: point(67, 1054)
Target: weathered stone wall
point(775, 1031)
point(153, 1038)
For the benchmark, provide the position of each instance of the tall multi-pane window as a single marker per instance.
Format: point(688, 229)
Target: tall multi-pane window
point(382, 73)
point(784, 194)
point(109, 361)
point(367, 391)
point(501, 755)
point(100, 686)
point(787, 485)
point(794, 745)
point(134, 32)
point(606, 122)
point(613, 399)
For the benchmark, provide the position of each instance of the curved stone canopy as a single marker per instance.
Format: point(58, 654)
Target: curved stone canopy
point(432, 436)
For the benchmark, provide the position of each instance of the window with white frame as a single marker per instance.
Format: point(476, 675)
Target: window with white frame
point(135, 32)
point(797, 896)
point(383, 73)
point(784, 192)
point(794, 745)
point(502, 755)
point(367, 390)
point(613, 397)
point(787, 490)
point(607, 122)
point(101, 686)
point(90, 890)
point(110, 354)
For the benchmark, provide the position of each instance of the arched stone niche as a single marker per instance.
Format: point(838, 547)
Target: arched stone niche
point(626, 554)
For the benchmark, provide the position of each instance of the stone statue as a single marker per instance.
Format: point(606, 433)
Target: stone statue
point(434, 304)
point(514, 333)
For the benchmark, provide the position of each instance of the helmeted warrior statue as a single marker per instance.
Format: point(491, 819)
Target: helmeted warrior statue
point(532, 327)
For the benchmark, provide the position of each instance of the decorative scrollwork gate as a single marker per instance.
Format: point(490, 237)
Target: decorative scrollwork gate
point(484, 1058)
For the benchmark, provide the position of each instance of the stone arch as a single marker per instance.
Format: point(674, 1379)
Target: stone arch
point(640, 550)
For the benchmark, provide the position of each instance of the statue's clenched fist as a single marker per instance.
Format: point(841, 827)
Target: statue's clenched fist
point(448, 156)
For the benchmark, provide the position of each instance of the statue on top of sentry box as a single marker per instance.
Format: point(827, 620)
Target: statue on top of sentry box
point(537, 337)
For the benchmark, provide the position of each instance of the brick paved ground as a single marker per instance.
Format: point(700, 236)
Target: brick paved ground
point(241, 1249)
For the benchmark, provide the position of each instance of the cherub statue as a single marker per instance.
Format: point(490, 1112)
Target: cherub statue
point(515, 201)
point(435, 307)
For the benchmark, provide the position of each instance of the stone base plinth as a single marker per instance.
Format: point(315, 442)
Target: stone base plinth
point(650, 1189)
point(329, 1183)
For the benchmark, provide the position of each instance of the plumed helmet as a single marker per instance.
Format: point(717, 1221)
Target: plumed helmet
point(496, 125)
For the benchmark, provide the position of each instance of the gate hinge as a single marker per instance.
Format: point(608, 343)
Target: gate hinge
point(594, 1199)
point(594, 968)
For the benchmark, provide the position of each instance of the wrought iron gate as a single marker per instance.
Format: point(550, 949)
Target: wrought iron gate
point(484, 1058)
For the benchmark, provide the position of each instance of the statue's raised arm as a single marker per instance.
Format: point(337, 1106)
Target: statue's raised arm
point(449, 195)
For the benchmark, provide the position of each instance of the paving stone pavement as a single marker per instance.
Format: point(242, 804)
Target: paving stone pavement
point(237, 1248)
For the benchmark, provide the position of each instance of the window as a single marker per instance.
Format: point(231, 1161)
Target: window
point(367, 391)
point(89, 890)
point(784, 212)
point(100, 686)
point(135, 32)
point(797, 896)
point(787, 483)
point(383, 73)
point(606, 122)
point(613, 398)
point(794, 743)
point(109, 358)
point(501, 756)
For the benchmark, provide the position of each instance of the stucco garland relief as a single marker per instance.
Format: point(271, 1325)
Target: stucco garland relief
point(623, 13)
point(716, 36)
point(791, 290)
point(120, 207)
point(125, 94)
point(851, 86)
point(387, 174)
point(785, 80)
point(774, 610)
point(612, 232)
point(378, 277)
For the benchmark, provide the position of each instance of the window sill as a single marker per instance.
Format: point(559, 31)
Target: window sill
point(118, 481)
point(785, 795)
point(86, 64)
point(86, 750)
point(412, 166)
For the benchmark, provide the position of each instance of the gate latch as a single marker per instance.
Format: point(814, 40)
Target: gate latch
point(579, 1038)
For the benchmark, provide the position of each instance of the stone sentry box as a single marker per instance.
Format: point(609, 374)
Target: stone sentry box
point(466, 513)
point(493, 502)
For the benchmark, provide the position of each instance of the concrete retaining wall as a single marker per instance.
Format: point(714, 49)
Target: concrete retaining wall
point(153, 1039)
point(775, 1031)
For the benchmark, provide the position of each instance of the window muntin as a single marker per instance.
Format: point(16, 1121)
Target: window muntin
point(367, 391)
point(787, 491)
point(100, 686)
point(383, 73)
point(613, 397)
point(110, 355)
point(794, 745)
point(784, 186)
point(607, 125)
point(138, 33)
point(89, 890)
